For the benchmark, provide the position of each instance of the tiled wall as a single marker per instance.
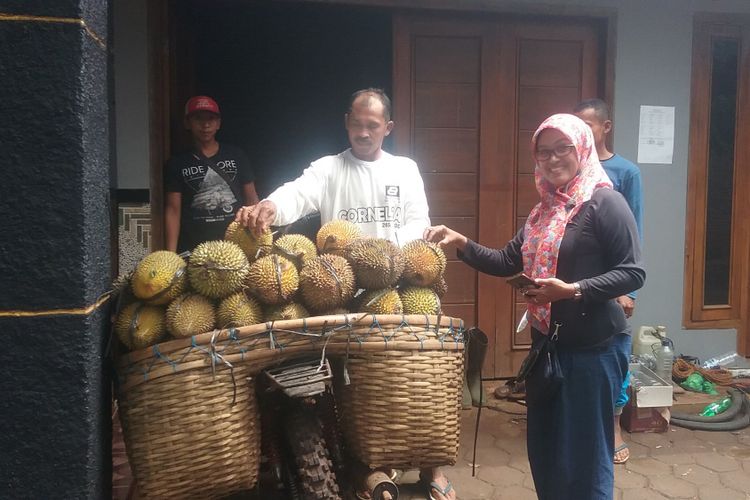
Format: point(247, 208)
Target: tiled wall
point(134, 234)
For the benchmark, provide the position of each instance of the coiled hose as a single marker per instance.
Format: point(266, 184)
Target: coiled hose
point(736, 417)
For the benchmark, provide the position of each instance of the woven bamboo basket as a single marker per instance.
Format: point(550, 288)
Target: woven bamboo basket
point(192, 434)
point(405, 370)
point(402, 407)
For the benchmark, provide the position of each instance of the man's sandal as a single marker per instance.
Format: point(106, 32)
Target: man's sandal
point(622, 453)
point(443, 491)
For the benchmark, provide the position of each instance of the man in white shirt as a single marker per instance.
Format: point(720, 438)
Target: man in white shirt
point(381, 193)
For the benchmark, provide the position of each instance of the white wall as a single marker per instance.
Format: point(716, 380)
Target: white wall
point(652, 67)
point(131, 94)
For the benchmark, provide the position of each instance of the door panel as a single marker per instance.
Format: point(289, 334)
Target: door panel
point(451, 194)
point(468, 94)
point(447, 150)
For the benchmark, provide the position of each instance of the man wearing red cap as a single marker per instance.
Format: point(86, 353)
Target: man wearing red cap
point(204, 186)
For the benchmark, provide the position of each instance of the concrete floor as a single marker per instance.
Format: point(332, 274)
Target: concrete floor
point(677, 464)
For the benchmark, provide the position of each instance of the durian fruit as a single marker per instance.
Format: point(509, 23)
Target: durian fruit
point(335, 311)
point(159, 277)
point(377, 262)
point(420, 300)
point(217, 268)
point(122, 291)
point(336, 234)
point(273, 279)
point(292, 310)
point(326, 282)
point(253, 246)
point(190, 314)
point(139, 325)
point(386, 301)
point(440, 287)
point(239, 310)
point(295, 247)
point(424, 263)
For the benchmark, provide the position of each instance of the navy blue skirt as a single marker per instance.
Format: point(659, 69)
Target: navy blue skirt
point(570, 434)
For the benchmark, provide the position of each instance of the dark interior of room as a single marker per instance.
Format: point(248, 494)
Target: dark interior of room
point(283, 73)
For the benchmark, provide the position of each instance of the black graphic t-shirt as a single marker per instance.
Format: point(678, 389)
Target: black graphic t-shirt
point(211, 192)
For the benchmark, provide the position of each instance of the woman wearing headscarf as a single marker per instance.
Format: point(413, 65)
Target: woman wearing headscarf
point(580, 245)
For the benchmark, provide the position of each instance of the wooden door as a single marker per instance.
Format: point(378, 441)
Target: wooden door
point(468, 95)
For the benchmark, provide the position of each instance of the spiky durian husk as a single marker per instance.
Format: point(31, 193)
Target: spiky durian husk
point(293, 310)
point(335, 311)
point(424, 263)
point(218, 268)
point(190, 314)
point(326, 282)
point(140, 325)
point(296, 247)
point(377, 262)
point(335, 235)
point(386, 301)
point(440, 287)
point(420, 300)
point(239, 310)
point(159, 277)
point(273, 279)
point(254, 247)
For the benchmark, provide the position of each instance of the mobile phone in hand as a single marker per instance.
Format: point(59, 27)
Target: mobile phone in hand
point(520, 280)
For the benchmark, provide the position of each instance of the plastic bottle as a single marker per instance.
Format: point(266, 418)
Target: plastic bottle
point(664, 360)
point(716, 407)
point(725, 359)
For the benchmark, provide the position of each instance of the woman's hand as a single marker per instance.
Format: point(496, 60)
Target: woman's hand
point(445, 237)
point(550, 290)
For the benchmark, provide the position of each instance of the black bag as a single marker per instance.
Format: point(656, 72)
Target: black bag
point(541, 367)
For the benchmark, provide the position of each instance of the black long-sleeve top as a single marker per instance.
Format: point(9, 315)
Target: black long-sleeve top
point(600, 250)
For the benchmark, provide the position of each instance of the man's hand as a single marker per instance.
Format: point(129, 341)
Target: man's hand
point(258, 218)
point(445, 236)
point(628, 305)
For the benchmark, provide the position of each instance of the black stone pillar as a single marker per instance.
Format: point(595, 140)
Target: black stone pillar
point(54, 249)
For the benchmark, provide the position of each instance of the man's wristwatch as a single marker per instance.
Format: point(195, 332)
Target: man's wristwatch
point(577, 295)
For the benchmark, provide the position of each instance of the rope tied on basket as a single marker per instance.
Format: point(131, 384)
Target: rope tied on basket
point(216, 356)
point(383, 332)
point(159, 355)
point(419, 339)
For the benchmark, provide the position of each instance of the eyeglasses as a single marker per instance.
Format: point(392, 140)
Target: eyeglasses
point(558, 151)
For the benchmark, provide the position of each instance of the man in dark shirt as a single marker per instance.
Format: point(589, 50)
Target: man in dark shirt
point(206, 185)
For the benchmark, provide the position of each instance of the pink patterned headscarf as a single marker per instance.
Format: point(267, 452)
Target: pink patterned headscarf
point(546, 223)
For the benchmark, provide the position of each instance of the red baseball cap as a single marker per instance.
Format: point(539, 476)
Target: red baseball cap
point(201, 103)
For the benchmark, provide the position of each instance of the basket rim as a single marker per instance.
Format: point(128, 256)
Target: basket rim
point(330, 321)
point(334, 336)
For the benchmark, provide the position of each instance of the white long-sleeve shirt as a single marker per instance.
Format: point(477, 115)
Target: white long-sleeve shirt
point(385, 198)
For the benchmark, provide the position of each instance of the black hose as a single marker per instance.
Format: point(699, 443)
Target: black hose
point(738, 423)
point(729, 414)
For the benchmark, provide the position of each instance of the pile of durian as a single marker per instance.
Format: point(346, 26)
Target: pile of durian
point(243, 280)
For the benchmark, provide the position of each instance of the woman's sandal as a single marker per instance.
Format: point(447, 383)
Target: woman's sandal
point(622, 453)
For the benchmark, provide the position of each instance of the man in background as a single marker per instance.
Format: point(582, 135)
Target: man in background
point(206, 185)
point(626, 179)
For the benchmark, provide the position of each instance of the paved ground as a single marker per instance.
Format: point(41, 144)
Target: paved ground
point(677, 464)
